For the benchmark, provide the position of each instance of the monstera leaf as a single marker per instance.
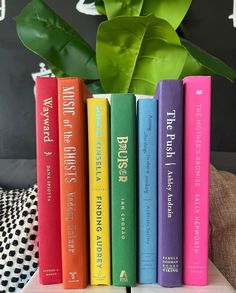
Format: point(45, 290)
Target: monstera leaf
point(172, 11)
point(134, 53)
point(48, 35)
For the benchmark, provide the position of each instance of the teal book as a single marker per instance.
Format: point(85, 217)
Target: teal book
point(123, 190)
point(147, 193)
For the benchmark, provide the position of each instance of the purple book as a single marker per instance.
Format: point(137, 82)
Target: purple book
point(170, 149)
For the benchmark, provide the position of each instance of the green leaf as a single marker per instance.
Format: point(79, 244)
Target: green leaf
point(172, 11)
point(100, 6)
point(193, 67)
point(57, 72)
point(116, 8)
point(134, 53)
point(48, 35)
point(209, 62)
point(95, 87)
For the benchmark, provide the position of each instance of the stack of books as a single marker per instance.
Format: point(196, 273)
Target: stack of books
point(123, 184)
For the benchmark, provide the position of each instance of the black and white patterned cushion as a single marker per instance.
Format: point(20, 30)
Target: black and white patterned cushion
point(18, 237)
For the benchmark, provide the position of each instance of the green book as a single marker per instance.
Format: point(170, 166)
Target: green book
point(123, 189)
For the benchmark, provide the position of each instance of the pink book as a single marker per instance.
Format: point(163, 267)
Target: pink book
point(196, 179)
point(50, 267)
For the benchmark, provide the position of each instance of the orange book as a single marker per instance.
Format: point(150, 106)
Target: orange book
point(72, 95)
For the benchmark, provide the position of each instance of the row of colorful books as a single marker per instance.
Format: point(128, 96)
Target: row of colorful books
point(123, 184)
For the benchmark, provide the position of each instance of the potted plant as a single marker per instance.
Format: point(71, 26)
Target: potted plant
point(135, 47)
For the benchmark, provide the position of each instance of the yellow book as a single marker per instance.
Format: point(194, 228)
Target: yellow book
point(99, 195)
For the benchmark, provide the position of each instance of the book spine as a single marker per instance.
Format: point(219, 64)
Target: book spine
point(147, 170)
point(50, 267)
point(98, 138)
point(196, 178)
point(72, 96)
point(123, 188)
point(170, 143)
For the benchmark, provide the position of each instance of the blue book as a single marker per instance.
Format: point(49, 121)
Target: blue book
point(147, 160)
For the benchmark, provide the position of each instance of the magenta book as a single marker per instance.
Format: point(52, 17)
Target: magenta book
point(196, 179)
point(50, 267)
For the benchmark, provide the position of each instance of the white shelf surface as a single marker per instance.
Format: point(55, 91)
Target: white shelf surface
point(217, 284)
point(33, 286)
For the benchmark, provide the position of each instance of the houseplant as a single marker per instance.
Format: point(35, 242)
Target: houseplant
point(135, 48)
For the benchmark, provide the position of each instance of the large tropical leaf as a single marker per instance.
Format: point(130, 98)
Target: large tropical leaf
point(193, 67)
point(172, 11)
point(95, 87)
point(134, 53)
point(206, 62)
point(57, 72)
point(48, 35)
point(116, 8)
point(100, 6)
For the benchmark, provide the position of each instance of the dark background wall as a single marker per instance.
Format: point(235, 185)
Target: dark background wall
point(17, 113)
point(207, 25)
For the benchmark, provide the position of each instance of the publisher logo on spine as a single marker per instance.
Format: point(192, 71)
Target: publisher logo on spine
point(199, 92)
point(73, 277)
point(123, 276)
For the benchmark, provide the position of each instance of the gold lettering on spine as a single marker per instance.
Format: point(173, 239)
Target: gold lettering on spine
point(71, 229)
point(122, 158)
point(49, 187)
point(70, 163)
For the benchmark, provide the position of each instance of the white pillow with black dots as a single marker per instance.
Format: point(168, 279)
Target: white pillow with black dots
point(18, 237)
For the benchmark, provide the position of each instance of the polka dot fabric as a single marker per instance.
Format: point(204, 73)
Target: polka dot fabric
point(18, 237)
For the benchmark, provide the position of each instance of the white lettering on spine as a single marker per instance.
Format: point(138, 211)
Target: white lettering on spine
point(70, 152)
point(170, 157)
point(47, 105)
